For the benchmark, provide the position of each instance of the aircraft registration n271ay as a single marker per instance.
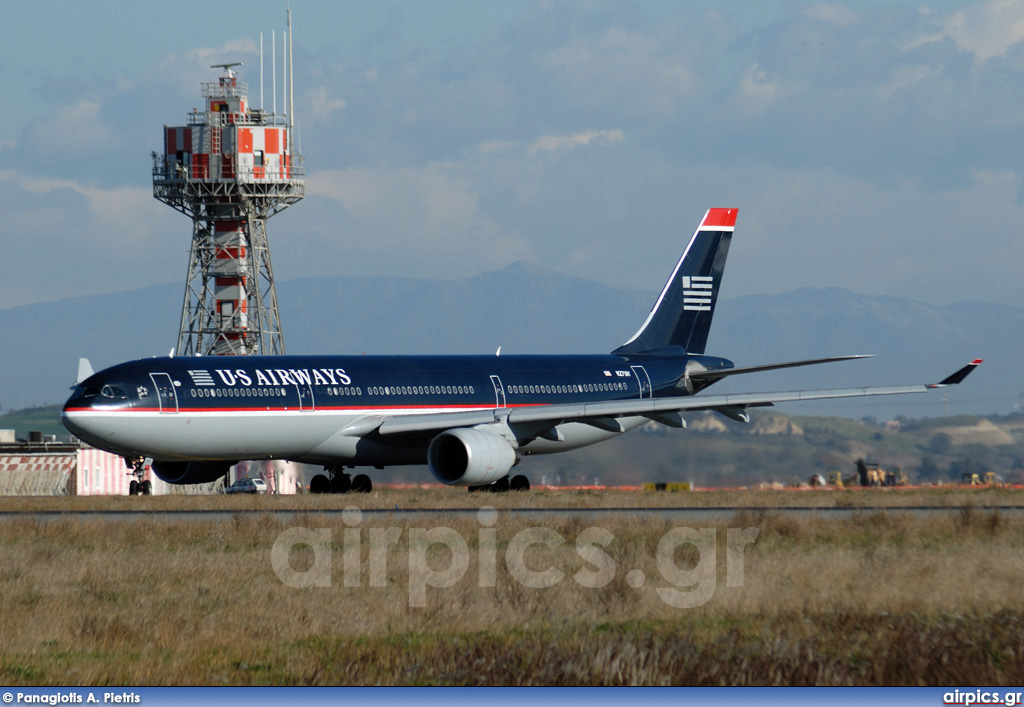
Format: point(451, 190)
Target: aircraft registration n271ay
point(471, 419)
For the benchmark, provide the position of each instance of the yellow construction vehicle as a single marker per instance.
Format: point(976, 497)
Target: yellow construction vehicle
point(986, 479)
point(871, 474)
point(895, 476)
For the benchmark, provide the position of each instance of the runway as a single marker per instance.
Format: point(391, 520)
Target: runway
point(705, 514)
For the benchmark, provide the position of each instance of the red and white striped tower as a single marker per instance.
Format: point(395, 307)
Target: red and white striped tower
point(230, 169)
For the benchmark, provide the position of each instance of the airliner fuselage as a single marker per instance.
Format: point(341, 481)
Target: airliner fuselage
point(299, 407)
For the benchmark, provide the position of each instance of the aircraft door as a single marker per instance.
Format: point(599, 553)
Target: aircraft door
point(165, 392)
point(499, 392)
point(643, 380)
point(305, 396)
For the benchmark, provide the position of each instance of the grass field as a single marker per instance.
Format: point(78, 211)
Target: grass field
point(881, 598)
point(951, 496)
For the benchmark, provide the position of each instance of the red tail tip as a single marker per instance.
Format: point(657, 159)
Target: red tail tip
point(722, 218)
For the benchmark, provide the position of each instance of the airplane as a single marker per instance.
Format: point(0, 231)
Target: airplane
point(471, 419)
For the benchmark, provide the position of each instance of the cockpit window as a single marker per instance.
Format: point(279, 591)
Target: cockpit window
point(113, 391)
point(89, 391)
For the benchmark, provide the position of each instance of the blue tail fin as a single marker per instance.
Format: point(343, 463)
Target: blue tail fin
point(681, 317)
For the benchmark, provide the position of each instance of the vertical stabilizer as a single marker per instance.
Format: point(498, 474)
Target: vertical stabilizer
point(682, 314)
point(84, 370)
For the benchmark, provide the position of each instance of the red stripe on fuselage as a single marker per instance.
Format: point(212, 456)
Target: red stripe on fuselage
point(318, 408)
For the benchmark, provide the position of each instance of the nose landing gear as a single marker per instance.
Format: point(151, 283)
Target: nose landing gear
point(138, 485)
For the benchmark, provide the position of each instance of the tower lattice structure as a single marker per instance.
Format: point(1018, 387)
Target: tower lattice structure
point(229, 169)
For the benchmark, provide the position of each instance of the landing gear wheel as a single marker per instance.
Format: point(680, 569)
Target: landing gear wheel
point(519, 483)
point(147, 488)
point(138, 471)
point(362, 484)
point(341, 483)
point(320, 484)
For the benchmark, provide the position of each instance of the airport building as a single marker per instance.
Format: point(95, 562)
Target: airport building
point(42, 466)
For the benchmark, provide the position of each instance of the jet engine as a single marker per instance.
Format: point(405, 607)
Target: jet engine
point(191, 472)
point(468, 457)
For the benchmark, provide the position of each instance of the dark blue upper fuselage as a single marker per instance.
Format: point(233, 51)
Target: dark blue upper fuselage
point(404, 382)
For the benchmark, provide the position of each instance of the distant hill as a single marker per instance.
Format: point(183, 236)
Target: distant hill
point(526, 308)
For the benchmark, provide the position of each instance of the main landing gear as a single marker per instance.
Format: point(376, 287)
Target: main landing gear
point(138, 485)
point(515, 483)
point(337, 481)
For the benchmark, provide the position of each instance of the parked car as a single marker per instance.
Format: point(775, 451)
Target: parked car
point(247, 486)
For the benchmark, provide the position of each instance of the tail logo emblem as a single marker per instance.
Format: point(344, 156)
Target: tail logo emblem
point(697, 293)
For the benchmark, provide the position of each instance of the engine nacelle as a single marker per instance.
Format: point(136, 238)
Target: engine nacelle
point(191, 472)
point(468, 457)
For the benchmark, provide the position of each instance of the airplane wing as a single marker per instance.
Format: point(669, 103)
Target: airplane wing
point(603, 414)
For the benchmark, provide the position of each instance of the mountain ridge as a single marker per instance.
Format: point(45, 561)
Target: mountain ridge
point(528, 308)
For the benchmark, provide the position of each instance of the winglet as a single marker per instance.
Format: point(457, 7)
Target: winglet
point(959, 375)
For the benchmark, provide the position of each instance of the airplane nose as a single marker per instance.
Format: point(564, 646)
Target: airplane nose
point(93, 396)
point(71, 415)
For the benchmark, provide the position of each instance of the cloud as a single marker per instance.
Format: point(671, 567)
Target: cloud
point(192, 67)
point(70, 238)
point(320, 104)
point(357, 189)
point(128, 210)
point(759, 92)
point(430, 215)
point(424, 198)
point(73, 129)
point(986, 29)
point(902, 78)
point(833, 14)
point(553, 143)
point(631, 70)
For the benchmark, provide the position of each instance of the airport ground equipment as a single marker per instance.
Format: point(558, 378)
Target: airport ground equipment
point(895, 476)
point(986, 479)
point(836, 478)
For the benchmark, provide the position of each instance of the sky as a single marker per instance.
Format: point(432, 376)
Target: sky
point(875, 146)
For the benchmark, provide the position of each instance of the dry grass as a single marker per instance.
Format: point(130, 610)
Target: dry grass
point(951, 496)
point(882, 598)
